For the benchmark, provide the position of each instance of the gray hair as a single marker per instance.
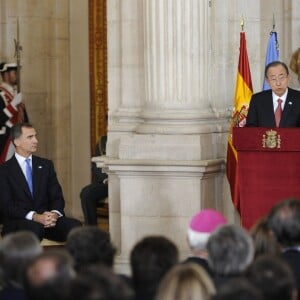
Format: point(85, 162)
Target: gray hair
point(230, 249)
point(17, 249)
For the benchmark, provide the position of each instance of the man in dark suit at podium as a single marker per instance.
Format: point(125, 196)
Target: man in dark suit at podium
point(278, 107)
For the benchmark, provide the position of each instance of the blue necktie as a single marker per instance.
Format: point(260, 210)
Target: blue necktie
point(29, 174)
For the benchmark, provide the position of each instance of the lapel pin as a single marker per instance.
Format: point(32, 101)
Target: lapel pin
point(290, 103)
point(40, 167)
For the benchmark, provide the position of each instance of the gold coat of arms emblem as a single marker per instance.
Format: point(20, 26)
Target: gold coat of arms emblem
point(271, 139)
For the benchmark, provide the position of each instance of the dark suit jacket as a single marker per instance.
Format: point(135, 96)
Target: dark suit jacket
point(15, 197)
point(261, 110)
point(12, 293)
point(200, 261)
point(292, 257)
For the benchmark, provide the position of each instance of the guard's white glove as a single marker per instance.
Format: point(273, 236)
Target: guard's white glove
point(17, 100)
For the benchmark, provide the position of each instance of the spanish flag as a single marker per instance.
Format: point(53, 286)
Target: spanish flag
point(242, 98)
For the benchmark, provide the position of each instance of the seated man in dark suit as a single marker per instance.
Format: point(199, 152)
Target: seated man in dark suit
point(96, 192)
point(31, 197)
point(278, 107)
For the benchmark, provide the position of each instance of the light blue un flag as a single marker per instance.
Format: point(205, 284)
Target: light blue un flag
point(272, 54)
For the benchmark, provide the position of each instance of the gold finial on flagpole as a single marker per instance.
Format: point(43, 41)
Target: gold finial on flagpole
point(242, 23)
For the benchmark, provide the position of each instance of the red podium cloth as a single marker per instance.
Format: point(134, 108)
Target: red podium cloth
point(266, 175)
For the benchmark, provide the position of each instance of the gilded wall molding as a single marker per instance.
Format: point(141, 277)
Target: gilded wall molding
point(98, 69)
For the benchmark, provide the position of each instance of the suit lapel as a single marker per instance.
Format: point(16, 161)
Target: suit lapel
point(270, 110)
point(288, 106)
point(36, 175)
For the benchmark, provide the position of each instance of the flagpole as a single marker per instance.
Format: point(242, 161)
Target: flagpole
point(18, 49)
point(272, 53)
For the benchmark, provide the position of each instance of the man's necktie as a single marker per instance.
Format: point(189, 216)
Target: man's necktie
point(278, 112)
point(29, 173)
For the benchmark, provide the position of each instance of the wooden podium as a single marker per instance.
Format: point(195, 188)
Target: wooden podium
point(268, 169)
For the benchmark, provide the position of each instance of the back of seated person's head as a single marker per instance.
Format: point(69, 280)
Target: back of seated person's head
point(230, 250)
point(49, 275)
point(273, 277)
point(150, 259)
point(201, 225)
point(264, 238)
point(284, 220)
point(186, 282)
point(99, 283)
point(16, 251)
point(238, 289)
point(90, 245)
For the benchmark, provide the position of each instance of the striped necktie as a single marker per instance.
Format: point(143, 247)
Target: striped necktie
point(278, 112)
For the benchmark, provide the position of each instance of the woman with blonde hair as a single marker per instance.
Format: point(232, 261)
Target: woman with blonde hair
point(186, 282)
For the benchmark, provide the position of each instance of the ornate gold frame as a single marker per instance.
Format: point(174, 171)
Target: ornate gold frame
point(98, 69)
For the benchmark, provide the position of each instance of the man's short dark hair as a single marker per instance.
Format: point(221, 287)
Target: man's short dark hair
point(16, 130)
point(273, 277)
point(284, 220)
point(90, 245)
point(150, 259)
point(99, 283)
point(275, 64)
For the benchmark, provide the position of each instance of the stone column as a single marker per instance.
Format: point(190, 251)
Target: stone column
point(166, 140)
point(175, 46)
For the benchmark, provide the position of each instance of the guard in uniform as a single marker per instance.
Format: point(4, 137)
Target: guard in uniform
point(12, 109)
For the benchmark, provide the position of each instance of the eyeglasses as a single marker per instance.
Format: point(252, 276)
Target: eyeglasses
point(279, 78)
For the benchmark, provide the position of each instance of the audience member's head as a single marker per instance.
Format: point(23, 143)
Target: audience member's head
point(201, 226)
point(273, 277)
point(49, 276)
point(150, 259)
point(264, 239)
point(16, 251)
point(284, 220)
point(186, 282)
point(230, 250)
point(238, 289)
point(99, 283)
point(90, 245)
